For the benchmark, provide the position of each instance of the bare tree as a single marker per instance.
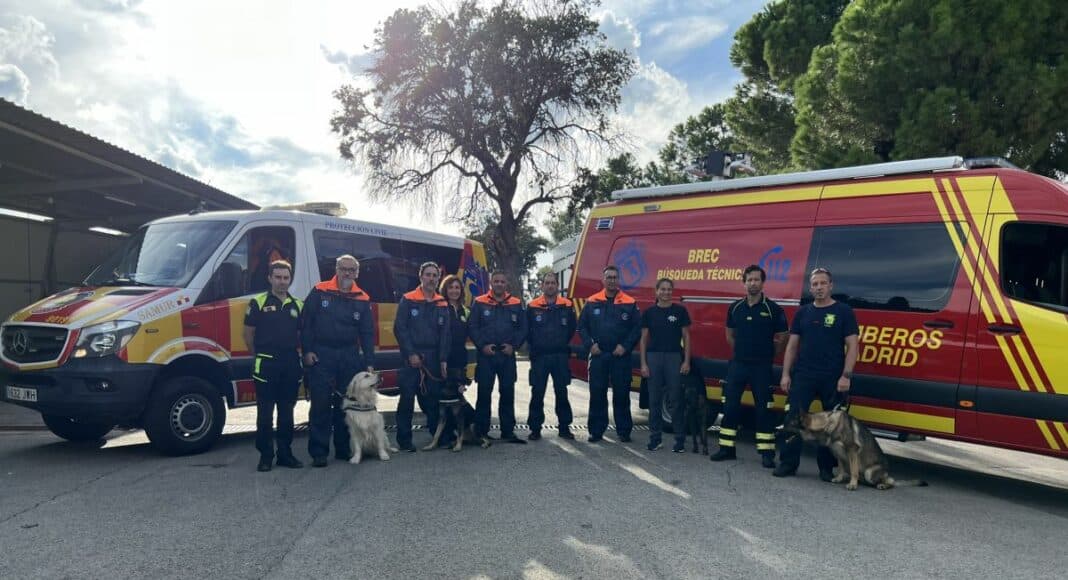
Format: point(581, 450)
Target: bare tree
point(483, 108)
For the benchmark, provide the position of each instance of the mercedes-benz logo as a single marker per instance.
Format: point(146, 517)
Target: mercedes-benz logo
point(20, 343)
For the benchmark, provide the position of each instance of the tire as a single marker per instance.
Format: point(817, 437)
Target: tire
point(75, 430)
point(185, 415)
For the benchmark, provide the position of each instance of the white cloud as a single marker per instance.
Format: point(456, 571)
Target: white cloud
point(681, 35)
point(653, 103)
point(14, 84)
point(620, 31)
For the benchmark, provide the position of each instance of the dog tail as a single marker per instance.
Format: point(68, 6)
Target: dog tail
point(909, 483)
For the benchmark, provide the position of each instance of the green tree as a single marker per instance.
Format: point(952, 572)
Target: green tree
point(910, 78)
point(620, 172)
point(529, 242)
point(480, 108)
point(689, 141)
point(773, 50)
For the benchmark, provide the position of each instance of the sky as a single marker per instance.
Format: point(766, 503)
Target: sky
point(238, 93)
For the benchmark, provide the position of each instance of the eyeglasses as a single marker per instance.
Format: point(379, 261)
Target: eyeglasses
point(348, 270)
point(820, 271)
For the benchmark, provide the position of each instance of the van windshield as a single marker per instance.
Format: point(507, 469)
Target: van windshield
point(167, 254)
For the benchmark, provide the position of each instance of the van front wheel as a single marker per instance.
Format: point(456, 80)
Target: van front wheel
point(74, 430)
point(185, 416)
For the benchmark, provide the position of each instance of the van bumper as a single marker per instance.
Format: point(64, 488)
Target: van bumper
point(104, 390)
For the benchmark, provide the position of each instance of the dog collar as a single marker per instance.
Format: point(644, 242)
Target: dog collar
point(356, 406)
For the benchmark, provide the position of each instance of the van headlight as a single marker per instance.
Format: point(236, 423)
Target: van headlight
point(105, 338)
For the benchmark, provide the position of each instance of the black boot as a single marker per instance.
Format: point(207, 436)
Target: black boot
point(265, 463)
point(767, 460)
point(723, 454)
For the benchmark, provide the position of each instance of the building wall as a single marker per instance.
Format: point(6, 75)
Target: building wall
point(24, 247)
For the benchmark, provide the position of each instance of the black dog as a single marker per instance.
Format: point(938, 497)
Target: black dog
point(695, 421)
point(453, 405)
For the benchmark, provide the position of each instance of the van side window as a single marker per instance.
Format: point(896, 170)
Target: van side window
point(375, 256)
point(417, 253)
point(902, 267)
point(245, 269)
point(1034, 264)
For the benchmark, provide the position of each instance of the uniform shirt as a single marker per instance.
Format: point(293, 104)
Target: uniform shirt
point(550, 326)
point(497, 321)
point(665, 326)
point(337, 319)
point(458, 336)
point(755, 328)
point(423, 325)
point(823, 332)
point(610, 323)
point(277, 323)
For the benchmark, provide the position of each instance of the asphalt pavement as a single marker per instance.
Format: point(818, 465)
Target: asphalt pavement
point(550, 509)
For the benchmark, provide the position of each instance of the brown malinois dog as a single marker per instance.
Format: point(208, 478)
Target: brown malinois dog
point(859, 456)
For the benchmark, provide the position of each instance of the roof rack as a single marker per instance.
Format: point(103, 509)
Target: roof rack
point(858, 172)
point(327, 208)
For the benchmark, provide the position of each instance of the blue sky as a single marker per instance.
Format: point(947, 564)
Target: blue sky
point(237, 93)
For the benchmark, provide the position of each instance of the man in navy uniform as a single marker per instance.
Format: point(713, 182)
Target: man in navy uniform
point(756, 332)
point(422, 328)
point(498, 328)
point(551, 324)
point(338, 324)
point(272, 332)
point(610, 326)
point(823, 344)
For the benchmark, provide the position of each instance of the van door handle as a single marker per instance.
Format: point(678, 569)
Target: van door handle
point(1004, 329)
point(191, 325)
point(938, 323)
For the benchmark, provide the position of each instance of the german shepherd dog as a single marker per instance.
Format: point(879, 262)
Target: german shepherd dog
point(454, 404)
point(859, 456)
point(696, 420)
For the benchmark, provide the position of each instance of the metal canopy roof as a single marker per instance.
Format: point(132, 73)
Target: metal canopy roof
point(79, 181)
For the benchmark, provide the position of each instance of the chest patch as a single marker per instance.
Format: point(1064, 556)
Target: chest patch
point(673, 318)
point(828, 320)
point(539, 318)
point(596, 311)
point(355, 315)
point(270, 308)
point(326, 303)
point(293, 313)
point(415, 312)
point(486, 312)
point(625, 316)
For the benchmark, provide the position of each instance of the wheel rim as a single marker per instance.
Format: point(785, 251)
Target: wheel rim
point(191, 417)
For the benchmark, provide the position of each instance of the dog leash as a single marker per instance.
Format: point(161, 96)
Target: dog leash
point(424, 374)
point(357, 406)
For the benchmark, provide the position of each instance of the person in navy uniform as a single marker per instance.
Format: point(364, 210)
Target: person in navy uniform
point(665, 356)
point(610, 326)
point(272, 332)
point(422, 328)
point(756, 332)
point(551, 324)
point(823, 344)
point(338, 324)
point(452, 288)
point(498, 328)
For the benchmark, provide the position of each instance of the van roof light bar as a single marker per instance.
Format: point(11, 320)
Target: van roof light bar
point(858, 172)
point(327, 208)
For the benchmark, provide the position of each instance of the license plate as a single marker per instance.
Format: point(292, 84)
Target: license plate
point(21, 394)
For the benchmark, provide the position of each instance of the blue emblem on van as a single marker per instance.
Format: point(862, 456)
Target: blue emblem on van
point(775, 265)
point(631, 263)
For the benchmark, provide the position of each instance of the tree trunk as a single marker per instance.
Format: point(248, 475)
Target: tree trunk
point(508, 251)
